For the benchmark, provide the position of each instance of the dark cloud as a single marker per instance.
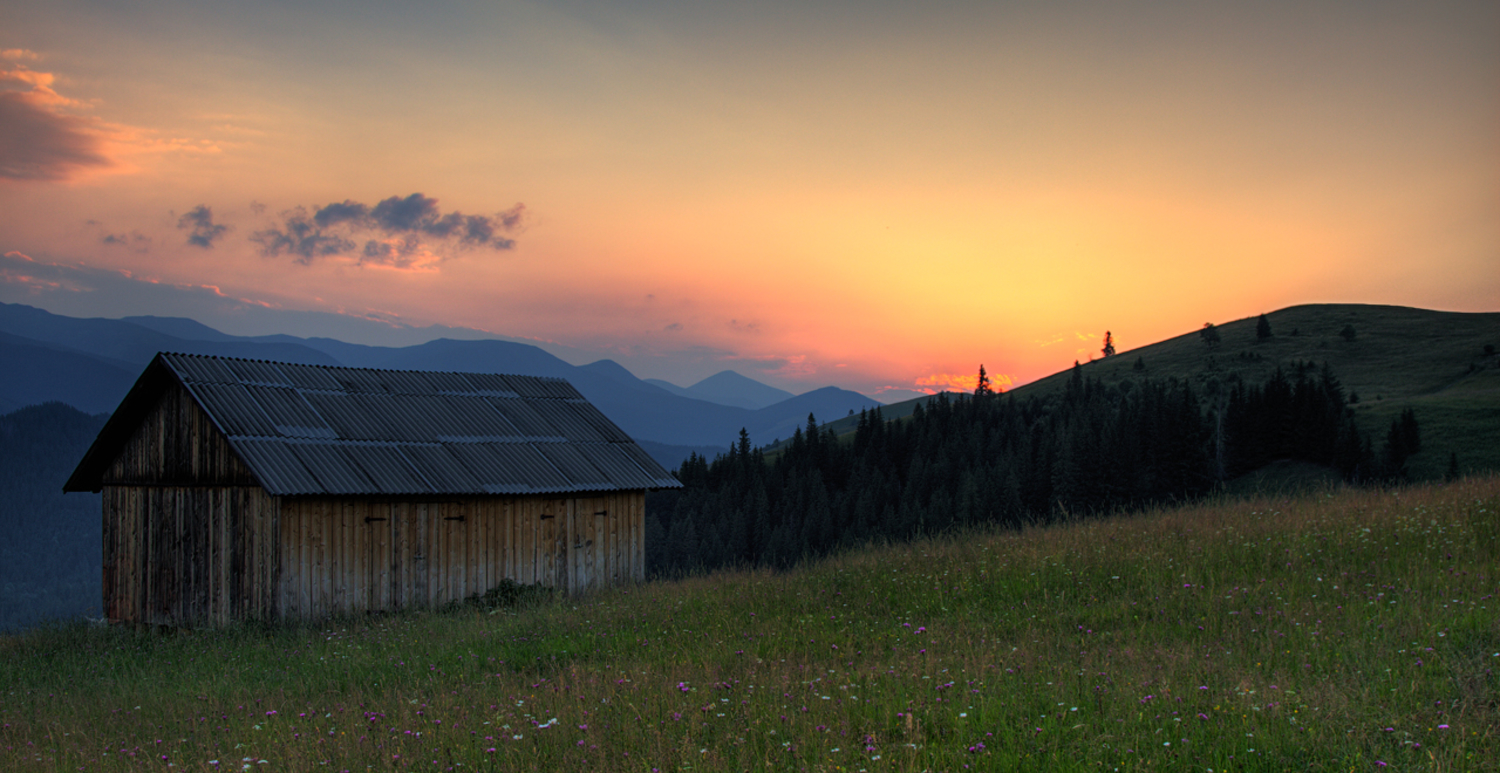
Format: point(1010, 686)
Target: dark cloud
point(349, 211)
point(199, 223)
point(408, 214)
point(300, 237)
point(37, 143)
point(407, 224)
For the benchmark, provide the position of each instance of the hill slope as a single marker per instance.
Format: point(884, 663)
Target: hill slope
point(1433, 362)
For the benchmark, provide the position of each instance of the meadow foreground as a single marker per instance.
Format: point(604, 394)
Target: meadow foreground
point(1347, 630)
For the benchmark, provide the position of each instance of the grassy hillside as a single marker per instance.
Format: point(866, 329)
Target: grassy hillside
point(1431, 361)
point(1345, 630)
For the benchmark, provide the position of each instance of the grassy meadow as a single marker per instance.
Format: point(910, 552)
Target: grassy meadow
point(1340, 630)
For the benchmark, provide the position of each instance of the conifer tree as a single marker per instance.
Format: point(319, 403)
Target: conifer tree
point(1262, 328)
point(1210, 335)
point(984, 387)
point(1109, 344)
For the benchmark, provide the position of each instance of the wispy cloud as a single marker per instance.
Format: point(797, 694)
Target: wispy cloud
point(398, 232)
point(135, 241)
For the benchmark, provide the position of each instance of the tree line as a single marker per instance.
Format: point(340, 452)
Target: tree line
point(990, 458)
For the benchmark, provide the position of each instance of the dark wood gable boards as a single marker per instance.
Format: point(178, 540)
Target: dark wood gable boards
point(242, 489)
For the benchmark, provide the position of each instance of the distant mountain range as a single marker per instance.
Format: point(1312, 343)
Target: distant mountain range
point(729, 388)
point(91, 363)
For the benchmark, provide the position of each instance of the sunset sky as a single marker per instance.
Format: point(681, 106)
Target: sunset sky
point(875, 195)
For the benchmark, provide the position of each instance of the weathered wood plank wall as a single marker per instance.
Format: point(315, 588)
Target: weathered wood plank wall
point(342, 556)
point(185, 525)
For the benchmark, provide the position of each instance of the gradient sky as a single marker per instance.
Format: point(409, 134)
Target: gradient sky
point(875, 195)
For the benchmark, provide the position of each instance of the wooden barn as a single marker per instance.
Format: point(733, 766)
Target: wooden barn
point(243, 489)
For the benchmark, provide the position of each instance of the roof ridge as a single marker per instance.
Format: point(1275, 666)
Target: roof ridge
point(357, 367)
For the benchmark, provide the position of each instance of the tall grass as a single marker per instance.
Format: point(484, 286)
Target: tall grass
point(1346, 630)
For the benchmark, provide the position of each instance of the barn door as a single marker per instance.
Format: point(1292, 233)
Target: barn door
point(547, 546)
point(378, 559)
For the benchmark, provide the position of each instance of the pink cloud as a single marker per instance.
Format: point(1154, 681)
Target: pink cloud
point(37, 140)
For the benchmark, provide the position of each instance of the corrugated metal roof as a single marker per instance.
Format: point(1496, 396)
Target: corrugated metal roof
point(290, 414)
point(563, 416)
point(575, 467)
point(389, 470)
point(617, 465)
point(649, 466)
point(441, 469)
point(238, 413)
point(309, 377)
point(257, 372)
point(207, 370)
point(333, 467)
point(601, 423)
point(519, 412)
point(279, 470)
point(312, 429)
point(511, 468)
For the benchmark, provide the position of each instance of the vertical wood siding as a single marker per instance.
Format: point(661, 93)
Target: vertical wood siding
point(342, 556)
point(189, 555)
point(189, 538)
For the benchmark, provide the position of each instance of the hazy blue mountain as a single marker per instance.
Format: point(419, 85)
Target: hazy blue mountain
point(672, 457)
point(730, 388)
point(826, 404)
point(180, 327)
point(614, 370)
point(667, 386)
point(33, 372)
point(133, 343)
point(49, 559)
point(91, 363)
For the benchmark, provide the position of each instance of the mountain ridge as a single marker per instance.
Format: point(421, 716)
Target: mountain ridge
point(88, 355)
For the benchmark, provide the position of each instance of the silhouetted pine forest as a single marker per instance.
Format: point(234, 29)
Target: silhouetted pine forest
point(994, 459)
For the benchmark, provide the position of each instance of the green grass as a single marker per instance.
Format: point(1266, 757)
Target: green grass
point(1340, 630)
point(1430, 361)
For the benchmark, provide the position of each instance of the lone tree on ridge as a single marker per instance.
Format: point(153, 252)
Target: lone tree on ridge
point(1210, 335)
